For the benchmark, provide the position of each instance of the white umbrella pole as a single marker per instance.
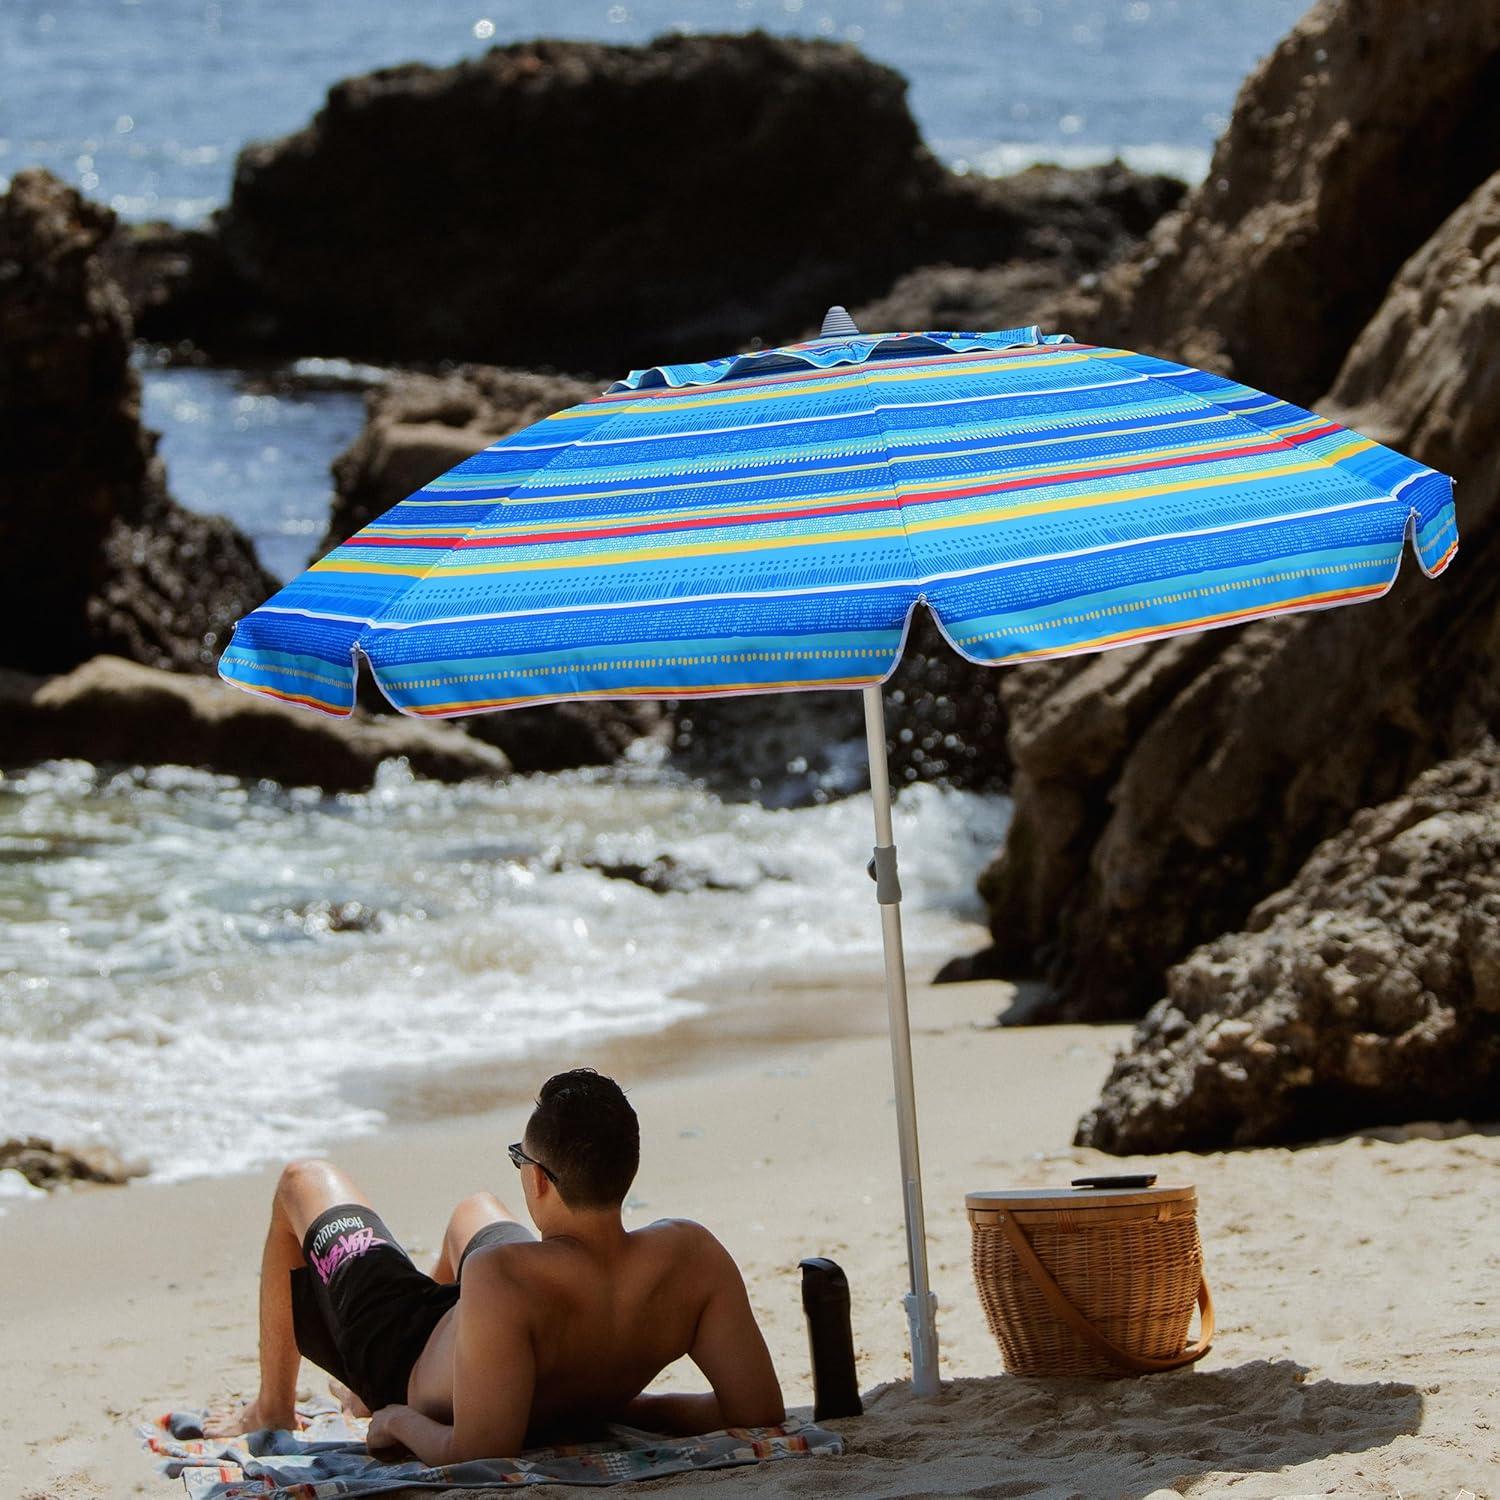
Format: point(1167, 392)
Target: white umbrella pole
point(921, 1304)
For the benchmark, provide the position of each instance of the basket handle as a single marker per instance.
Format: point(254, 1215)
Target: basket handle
point(1058, 1301)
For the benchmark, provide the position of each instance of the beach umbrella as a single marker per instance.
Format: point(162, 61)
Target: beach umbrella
point(770, 521)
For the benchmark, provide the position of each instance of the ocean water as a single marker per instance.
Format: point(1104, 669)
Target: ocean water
point(257, 451)
point(144, 103)
point(205, 973)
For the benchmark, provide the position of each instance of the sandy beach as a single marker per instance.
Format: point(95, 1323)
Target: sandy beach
point(1355, 1355)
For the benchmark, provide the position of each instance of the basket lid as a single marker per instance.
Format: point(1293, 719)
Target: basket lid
point(1079, 1199)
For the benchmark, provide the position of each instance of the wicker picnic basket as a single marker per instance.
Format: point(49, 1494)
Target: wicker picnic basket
point(1091, 1281)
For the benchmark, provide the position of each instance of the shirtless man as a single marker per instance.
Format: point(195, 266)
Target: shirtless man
point(513, 1340)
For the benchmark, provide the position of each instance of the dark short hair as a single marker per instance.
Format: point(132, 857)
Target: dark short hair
point(584, 1130)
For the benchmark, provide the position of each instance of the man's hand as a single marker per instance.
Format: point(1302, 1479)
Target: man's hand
point(252, 1417)
point(398, 1431)
point(382, 1439)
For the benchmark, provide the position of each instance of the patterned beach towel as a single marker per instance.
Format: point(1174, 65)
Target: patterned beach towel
point(328, 1458)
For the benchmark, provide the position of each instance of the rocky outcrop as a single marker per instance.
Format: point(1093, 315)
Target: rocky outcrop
point(177, 281)
point(1094, 214)
point(1366, 992)
point(1350, 143)
point(45, 1165)
point(1162, 791)
point(1004, 296)
point(118, 712)
point(94, 554)
point(590, 207)
point(562, 736)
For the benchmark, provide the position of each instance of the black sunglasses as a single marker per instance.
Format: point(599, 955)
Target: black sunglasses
point(520, 1158)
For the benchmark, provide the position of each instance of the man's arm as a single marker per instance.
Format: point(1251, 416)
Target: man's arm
point(729, 1347)
point(494, 1375)
point(673, 1412)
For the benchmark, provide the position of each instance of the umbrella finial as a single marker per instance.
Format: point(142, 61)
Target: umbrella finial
point(837, 323)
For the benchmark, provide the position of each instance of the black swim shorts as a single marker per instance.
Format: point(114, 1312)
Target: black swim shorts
point(361, 1309)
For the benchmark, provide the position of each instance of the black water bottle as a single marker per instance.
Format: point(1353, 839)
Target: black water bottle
point(825, 1300)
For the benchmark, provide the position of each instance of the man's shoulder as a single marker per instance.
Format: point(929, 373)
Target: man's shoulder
point(490, 1264)
point(685, 1233)
point(692, 1247)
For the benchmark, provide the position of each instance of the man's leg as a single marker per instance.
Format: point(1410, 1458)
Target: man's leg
point(466, 1221)
point(305, 1190)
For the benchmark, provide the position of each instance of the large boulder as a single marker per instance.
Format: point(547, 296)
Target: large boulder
point(1348, 146)
point(47, 1166)
point(564, 736)
point(178, 280)
point(1097, 214)
point(118, 712)
point(591, 207)
point(94, 554)
point(1366, 992)
point(1162, 791)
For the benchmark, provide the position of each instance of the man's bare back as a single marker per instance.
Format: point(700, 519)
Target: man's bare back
point(512, 1340)
point(572, 1330)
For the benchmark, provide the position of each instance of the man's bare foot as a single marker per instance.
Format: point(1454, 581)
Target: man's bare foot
point(349, 1403)
point(251, 1418)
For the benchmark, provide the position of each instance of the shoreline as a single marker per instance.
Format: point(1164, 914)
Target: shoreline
point(771, 1009)
point(1353, 1350)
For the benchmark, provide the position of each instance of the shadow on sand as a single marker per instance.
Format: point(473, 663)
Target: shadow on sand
point(1186, 1432)
point(1127, 1438)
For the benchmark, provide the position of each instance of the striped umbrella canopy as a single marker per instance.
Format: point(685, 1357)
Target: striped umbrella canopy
point(770, 521)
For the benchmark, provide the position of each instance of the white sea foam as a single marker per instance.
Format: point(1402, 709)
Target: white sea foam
point(174, 980)
point(1000, 159)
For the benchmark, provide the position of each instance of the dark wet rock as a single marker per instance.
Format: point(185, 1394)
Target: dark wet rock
point(419, 426)
point(118, 712)
point(45, 1165)
point(562, 736)
point(317, 918)
point(1004, 296)
point(1097, 215)
point(1353, 140)
point(1366, 992)
point(591, 207)
point(94, 554)
point(1162, 791)
point(666, 874)
point(177, 281)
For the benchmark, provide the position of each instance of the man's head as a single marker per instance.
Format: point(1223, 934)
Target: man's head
point(585, 1134)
